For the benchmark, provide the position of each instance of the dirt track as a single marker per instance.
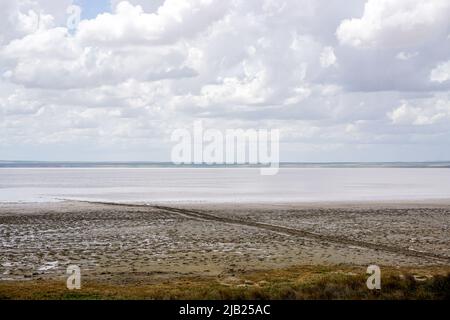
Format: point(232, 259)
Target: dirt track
point(290, 231)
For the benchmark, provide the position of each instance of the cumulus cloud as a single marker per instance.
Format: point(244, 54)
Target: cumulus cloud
point(395, 23)
point(327, 57)
point(336, 79)
point(130, 24)
point(407, 114)
point(22, 17)
point(441, 73)
point(406, 55)
point(54, 58)
point(19, 20)
point(148, 6)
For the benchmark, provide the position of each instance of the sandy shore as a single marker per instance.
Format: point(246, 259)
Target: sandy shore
point(129, 243)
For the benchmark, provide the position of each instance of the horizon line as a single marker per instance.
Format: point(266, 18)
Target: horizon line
point(204, 163)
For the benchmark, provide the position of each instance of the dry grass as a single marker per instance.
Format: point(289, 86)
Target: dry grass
point(302, 282)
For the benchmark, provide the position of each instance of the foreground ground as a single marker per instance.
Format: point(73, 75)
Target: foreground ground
point(222, 251)
point(304, 282)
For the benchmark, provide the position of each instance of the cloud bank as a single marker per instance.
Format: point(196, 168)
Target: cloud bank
point(354, 81)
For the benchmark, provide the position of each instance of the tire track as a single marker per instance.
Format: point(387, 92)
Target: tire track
point(288, 231)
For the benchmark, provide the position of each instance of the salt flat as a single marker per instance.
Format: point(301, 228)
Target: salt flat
point(128, 242)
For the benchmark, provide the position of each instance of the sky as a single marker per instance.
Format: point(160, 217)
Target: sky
point(343, 80)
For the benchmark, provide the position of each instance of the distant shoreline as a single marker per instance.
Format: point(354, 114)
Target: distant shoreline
point(144, 164)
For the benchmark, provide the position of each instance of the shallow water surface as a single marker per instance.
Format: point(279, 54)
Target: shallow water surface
point(223, 184)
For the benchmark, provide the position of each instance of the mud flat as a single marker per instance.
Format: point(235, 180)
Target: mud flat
point(132, 244)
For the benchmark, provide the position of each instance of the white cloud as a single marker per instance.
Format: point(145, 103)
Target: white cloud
point(54, 59)
point(327, 57)
point(407, 114)
point(148, 6)
point(441, 73)
point(130, 24)
point(22, 17)
point(406, 55)
point(395, 23)
point(19, 20)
